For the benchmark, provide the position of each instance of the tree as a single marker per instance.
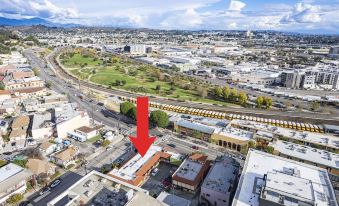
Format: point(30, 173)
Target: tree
point(218, 92)
point(15, 199)
point(21, 163)
point(226, 92)
point(251, 144)
point(233, 95)
point(125, 107)
point(314, 106)
point(269, 149)
point(105, 143)
point(259, 101)
point(2, 86)
point(36, 71)
point(132, 113)
point(202, 92)
point(158, 87)
point(159, 118)
point(242, 98)
point(48, 84)
point(267, 102)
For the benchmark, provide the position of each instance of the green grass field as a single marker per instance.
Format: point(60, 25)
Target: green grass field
point(137, 78)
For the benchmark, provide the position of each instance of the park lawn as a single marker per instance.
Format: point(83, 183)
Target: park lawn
point(78, 59)
point(108, 76)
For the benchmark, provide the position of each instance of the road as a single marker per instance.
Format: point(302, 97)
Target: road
point(314, 118)
point(62, 86)
point(67, 179)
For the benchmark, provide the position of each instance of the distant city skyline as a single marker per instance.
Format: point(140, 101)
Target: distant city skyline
point(308, 16)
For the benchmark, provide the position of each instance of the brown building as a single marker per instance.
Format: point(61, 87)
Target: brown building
point(191, 172)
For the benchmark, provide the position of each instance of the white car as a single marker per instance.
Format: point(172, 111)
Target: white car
point(55, 183)
point(155, 171)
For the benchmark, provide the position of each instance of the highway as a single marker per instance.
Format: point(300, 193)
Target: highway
point(314, 118)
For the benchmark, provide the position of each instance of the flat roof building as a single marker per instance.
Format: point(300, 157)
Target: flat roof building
point(172, 200)
point(191, 172)
point(269, 180)
point(137, 168)
point(98, 189)
point(220, 182)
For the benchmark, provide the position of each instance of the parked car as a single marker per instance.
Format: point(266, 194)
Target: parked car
point(171, 145)
point(155, 171)
point(195, 147)
point(45, 190)
point(55, 183)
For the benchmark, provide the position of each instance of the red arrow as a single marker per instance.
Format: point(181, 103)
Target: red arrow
point(142, 142)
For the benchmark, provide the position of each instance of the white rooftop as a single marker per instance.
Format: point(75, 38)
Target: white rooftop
point(310, 154)
point(234, 133)
point(189, 169)
point(221, 176)
point(129, 169)
point(172, 200)
point(9, 170)
point(260, 163)
point(316, 138)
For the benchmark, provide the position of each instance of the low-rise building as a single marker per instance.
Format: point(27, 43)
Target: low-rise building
point(138, 168)
point(47, 148)
point(66, 157)
point(84, 133)
point(269, 180)
point(220, 182)
point(13, 179)
point(98, 189)
point(41, 168)
point(19, 128)
point(191, 172)
point(168, 199)
point(42, 126)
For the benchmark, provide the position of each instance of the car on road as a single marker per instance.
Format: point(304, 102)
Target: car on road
point(109, 148)
point(44, 191)
point(155, 172)
point(7, 153)
point(171, 145)
point(195, 147)
point(55, 183)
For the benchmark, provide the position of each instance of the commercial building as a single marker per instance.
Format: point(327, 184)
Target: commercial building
point(138, 168)
point(269, 180)
point(98, 189)
point(317, 157)
point(217, 132)
point(135, 49)
point(168, 199)
point(220, 182)
point(13, 179)
point(191, 172)
point(269, 132)
point(68, 118)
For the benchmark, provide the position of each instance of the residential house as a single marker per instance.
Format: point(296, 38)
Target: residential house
point(47, 148)
point(66, 157)
point(41, 168)
point(19, 128)
point(4, 95)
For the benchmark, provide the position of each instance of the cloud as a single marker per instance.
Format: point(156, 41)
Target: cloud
point(303, 13)
point(40, 8)
point(236, 5)
point(190, 19)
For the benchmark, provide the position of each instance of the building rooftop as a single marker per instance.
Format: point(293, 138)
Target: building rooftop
point(310, 154)
point(138, 165)
point(11, 174)
point(172, 200)
point(221, 176)
point(258, 164)
point(234, 133)
point(316, 138)
point(98, 189)
point(195, 126)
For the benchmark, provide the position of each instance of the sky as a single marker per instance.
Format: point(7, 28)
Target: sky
point(306, 16)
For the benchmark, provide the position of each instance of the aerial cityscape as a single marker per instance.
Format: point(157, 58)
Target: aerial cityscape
point(169, 103)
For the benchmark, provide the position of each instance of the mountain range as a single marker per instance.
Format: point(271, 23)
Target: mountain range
point(32, 21)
